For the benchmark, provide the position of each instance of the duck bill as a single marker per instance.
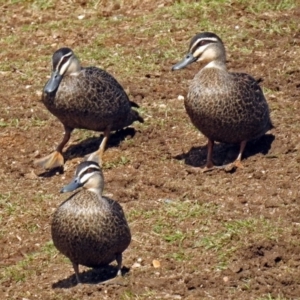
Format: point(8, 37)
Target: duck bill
point(53, 83)
point(189, 58)
point(73, 185)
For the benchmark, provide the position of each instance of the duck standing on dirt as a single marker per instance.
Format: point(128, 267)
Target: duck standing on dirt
point(87, 98)
point(226, 107)
point(88, 228)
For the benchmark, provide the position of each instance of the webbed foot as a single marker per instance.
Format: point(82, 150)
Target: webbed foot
point(51, 161)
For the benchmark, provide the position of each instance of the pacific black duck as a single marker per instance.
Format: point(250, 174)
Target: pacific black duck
point(226, 107)
point(87, 98)
point(88, 228)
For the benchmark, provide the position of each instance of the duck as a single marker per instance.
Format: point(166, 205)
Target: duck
point(224, 106)
point(86, 98)
point(89, 228)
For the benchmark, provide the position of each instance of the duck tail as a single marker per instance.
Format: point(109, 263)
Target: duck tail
point(132, 117)
point(138, 117)
point(259, 80)
point(133, 104)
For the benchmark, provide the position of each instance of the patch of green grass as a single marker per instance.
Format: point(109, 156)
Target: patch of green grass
point(43, 4)
point(177, 236)
point(35, 4)
point(120, 161)
point(268, 5)
point(12, 123)
point(234, 235)
point(7, 205)
point(180, 255)
point(186, 209)
point(40, 197)
point(270, 297)
point(190, 9)
point(49, 248)
point(36, 122)
point(23, 270)
point(127, 295)
point(175, 223)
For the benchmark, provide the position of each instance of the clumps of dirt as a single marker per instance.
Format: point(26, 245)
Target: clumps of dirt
point(264, 267)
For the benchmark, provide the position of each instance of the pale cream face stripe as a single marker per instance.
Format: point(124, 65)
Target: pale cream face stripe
point(62, 67)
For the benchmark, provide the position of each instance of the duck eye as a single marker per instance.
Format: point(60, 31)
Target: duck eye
point(203, 42)
point(64, 59)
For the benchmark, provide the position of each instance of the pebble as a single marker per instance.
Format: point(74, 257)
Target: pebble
point(156, 263)
point(136, 265)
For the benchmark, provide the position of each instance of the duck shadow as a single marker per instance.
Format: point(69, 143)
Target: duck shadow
point(226, 153)
point(92, 276)
point(90, 145)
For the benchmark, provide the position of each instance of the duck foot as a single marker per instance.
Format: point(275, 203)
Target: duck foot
point(210, 167)
point(227, 168)
point(51, 161)
point(114, 281)
point(233, 166)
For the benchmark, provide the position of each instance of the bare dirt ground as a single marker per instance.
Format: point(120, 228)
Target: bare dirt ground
point(217, 235)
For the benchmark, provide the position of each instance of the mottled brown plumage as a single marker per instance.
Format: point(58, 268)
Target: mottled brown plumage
point(87, 98)
point(88, 228)
point(226, 107)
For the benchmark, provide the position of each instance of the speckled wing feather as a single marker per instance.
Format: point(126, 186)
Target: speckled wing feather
point(250, 92)
point(227, 107)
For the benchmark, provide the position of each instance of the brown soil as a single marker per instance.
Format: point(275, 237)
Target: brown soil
point(157, 169)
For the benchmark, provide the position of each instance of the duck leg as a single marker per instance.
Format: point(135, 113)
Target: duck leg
point(55, 159)
point(238, 162)
point(229, 167)
point(76, 269)
point(119, 262)
point(119, 273)
point(209, 163)
point(97, 155)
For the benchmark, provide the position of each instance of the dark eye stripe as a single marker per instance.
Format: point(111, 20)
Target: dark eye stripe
point(88, 171)
point(64, 59)
point(87, 167)
point(202, 42)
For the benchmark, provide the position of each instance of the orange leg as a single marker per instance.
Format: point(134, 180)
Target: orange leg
point(98, 155)
point(238, 162)
point(209, 163)
point(229, 167)
point(55, 159)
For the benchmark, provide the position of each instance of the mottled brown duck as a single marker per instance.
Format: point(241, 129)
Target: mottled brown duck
point(86, 98)
point(226, 107)
point(88, 228)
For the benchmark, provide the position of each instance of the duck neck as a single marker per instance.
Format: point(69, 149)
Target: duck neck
point(74, 67)
point(216, 64)
point(96, 191)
